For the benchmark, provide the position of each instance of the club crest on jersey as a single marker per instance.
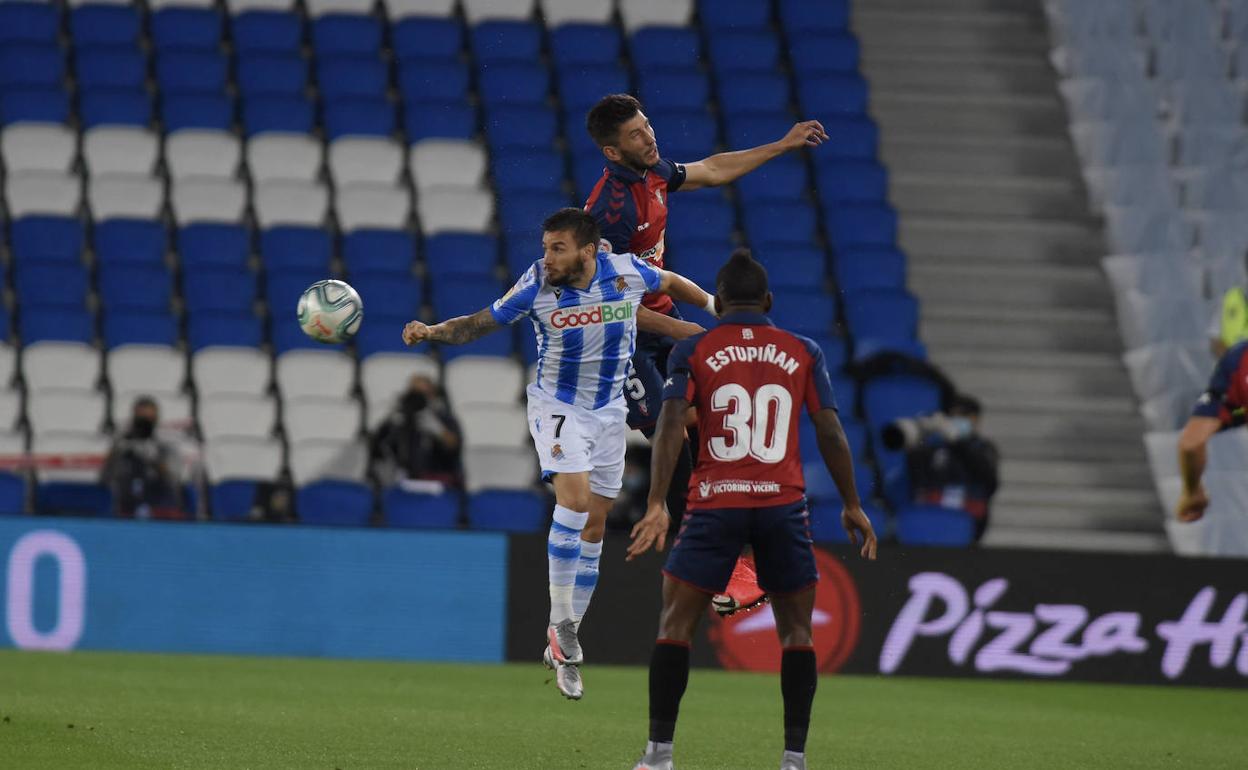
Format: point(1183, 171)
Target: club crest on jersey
point(556, 452)
point(621, 284)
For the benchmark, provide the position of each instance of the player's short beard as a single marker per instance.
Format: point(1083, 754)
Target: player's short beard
point(635, 162)
point(571, 275)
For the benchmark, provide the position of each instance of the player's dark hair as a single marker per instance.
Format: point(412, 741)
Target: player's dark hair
point(604, 120)
point(742, 279)
point(584, 228)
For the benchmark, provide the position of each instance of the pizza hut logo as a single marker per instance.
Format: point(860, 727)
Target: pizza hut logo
point(556, 452)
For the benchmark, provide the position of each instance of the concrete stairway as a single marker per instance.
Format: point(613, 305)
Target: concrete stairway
point(1004, 257)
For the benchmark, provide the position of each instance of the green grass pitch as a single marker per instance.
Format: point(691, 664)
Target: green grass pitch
point(100, 711)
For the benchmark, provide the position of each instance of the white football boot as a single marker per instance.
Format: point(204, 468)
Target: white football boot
point(658, 756)
point(793, 761)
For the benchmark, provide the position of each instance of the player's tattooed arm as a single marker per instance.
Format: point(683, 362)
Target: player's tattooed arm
point(454, 331)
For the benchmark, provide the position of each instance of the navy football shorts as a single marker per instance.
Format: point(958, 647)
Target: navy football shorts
point(643, 390)
point(710, 541)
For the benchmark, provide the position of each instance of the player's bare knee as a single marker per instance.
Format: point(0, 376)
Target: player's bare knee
point(677, 624)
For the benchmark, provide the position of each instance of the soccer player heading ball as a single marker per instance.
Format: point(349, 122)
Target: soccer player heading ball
point(747, 380)
point(583, 304)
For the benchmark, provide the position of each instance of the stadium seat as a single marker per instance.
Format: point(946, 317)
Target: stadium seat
point(426, 37)
point(580, 43)
point(321, 419)
point(478, 11)
point(129, 241)
point(701, 219)
point(134, 367)
point(929, 525)
point(218, 290)
point(518, 170)
point(791, 223)
point(31, 65)
point(384, 377)
point(291, 114)
point(378, 251)
point(412, 510)
point(130, 286)
point(185, 28)
point(199, 110)
point(852, 182)
point(509, 511)
point(317, 8)
point(202, 153)
point(180, 71)
point(230, 370)
point(887, 398)
point(581, 87)
point(359, 117)
point(33, 105)
point(13, 487)
point(38, 147)
point(334, 503)
point(496, 42)
point(745, 93)
point(793, 267)
point(174, 406)
point(718, 16)
point(851, 137)
point(841, 95)
point(320, 373)
point(54, 323)
point(390, 294)
point(473, 381)
point(139, 327)
point(513, 83)
point(206, 330)
point(120, 150)
point(801, 15)
point(125, 196)
point(360, 159)
point(825, 523)
point(373, 206)
point(291, 203)
point(274, 156)
point(29, 23)
point(432, 81)
point(64, 410)
point(665, 49)
point(42, 193)
point(859, 270)
point(113, 67)
point(65, 498)
point(810, 313)
point(444, 209)
point(258, 74)
point(380, 338)
point(688, 134)
point(296, 248)
point(726, 48)
point(455, 119)
point(234, 468)
point(311, 461)
point(266, 30)
point(854, 226)
point(521, 127)
point(666, 90)
point(659, 13)
point(67, 363)
point(115, 107)
point(461, 255)
point(46, 238)
point(342, 77)
point(63, 283)
point(446, 163)
point(337, 34)
point(814, 52)
point(882, 315)
point(219, 244)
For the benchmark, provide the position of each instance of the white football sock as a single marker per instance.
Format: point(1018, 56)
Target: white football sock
point(563, 553)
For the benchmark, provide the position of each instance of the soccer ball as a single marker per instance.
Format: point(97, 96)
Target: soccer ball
point(330, 311)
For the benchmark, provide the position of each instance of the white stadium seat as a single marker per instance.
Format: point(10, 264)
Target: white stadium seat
point(321, 419)
point(384, 377)
point(42, 192)
point(477, 11)
point(10, 409)
point(38, 147)
point(135, 367)
point(60, 365)
point(399, 9)
point(83, 444)
point(125, 196)
point(291, 202)
point(373, 206)
point(65, 410)
point(490, 468)
point(12, 442)
point(324, 373)
point(198, 152)
point(217, 370)
point(463, 209)
point(273, 156)
point(316, 460)
point(120, 150)
point(557, 12)
point(174, 407)
point(658, 13)
point(235, 415)
point(447, 163)
point(8, 364)
point(483, 380)
point(365, 159)
point(322, 7)
point(203, 199)
point(258, 459)
point(495, 426)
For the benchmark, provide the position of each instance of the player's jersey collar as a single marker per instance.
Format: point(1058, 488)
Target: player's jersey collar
point(746, 319)
point(624, 172)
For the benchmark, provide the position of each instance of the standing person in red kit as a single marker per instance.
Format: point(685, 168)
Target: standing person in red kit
point(748, 380)
point(630, 204)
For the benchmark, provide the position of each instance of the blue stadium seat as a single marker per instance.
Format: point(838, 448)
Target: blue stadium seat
point(115, 107)
point(46, 238)
point(665, 90)
point(855, 433)
point(443, 120)
point(687, 135)
point(332, 503)
point(699, 260)
point(378, 251)
point(31, 65)
point(832, 94)
point(825, 523)
point(814, 53)
point(522, 126)
point(416, 511)
point(12, 485)
point(296, 248)
point(812, 313)
point(664, 48)
point(6, 330)
point(382, 335)
point(133, 241)
point(746, 93)
point(34, 105)
point(425, 37)
point(793, 267)
point(207, 111)
point(29, 23)
point(267, 32)
point(857, 270)
point(110, 68)
point(63, 324)
point(336, 34)
point(782, 178)
point(211, 243)
point(751, 130)
point(461, 254)
point(179, 71)
point(510, 511)
point(271, 73)
point(210, 289)
point(862, 181)
point(187, 28)
point(574, 45)
point(433, 81)
point(134, 286)
point(361, 116)
point(519, 254)
point(835, 355)
point(520, 170)
point(700, 219)
point(578, 138)
point(820, 487)
point(50, 283)
point(514, 83)
point(581, 87)
point(867, 347)
point(390, 294)
point(68, 498)
point(232, 500)
point(854, 226)
point(718, 16)
point(102, 25)
point(856, 138)
point(351, 76)
point(744, 51)
point(884, 399)
point(293, 114)
point(283, 289)
point(805, 16)
point(506, 41)
point(587, 168)
point(133, 327)
point(208, 329)
point(934, 526)
point(790, 223)
point(500, 343)
point(462, 296)
point(882, 314)
point(521, 215)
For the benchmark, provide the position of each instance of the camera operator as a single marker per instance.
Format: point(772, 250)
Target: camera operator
point(140, 468)
point(421, 438)
point(949, 463)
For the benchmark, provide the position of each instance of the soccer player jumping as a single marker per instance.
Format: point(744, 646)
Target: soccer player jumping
point(584, 306)
point(747, 379)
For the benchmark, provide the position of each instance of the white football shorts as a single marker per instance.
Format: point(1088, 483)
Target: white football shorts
point(573, 439)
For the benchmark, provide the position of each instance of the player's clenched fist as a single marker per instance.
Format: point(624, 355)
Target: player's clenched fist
point(415, 332)
point(808, 133)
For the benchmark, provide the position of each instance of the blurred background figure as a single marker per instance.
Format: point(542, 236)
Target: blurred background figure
point(421, 440)
point(141, 468)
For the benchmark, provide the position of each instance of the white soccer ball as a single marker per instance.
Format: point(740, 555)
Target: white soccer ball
point(330, 311)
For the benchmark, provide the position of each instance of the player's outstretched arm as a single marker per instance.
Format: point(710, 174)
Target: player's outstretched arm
point(726, 167)
point(665, 325)
point(664, 449)
point(684, 290)
point(1196, 434)
point(455, 331)
point(839, 458)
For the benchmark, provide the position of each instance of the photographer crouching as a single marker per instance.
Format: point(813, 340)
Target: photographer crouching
point(949, 463)
point(421, 440)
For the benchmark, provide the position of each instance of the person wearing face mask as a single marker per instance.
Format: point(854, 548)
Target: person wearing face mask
point(141, 468)
point(421, 439)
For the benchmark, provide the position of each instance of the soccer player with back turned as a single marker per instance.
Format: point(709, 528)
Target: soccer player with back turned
point(747, 379)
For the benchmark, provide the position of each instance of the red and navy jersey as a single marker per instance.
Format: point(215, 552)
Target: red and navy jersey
point(631, 211)
point(1226, 398)
point(748, 380)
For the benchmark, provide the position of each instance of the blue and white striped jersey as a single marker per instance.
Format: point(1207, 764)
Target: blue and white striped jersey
point(585, 338)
